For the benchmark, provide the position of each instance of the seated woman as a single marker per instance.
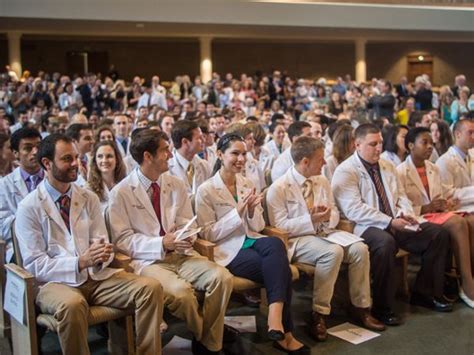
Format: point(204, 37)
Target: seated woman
point(422, 183)
point(342, 148)
point(442, 139)
point(230, 212)
point(106, 171)
point(394, 144)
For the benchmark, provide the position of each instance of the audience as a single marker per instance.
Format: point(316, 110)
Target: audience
point(146, 152)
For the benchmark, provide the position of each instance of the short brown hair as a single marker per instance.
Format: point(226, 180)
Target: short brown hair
point(146, 140)
point(305, 147)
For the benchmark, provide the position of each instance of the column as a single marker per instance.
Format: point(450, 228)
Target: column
point(14, 52)
point(206, 59)
point(361, 65)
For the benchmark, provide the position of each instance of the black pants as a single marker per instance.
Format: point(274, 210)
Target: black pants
point(266, 262)
point(431, 243)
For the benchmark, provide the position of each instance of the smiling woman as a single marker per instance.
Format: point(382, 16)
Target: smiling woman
point(107, 169)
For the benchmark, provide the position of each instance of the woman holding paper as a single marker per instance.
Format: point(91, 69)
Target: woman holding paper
point(422, 183)
point(230, 213)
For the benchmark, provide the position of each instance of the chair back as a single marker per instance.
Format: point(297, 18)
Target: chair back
point(16, 247)
point(265, 207)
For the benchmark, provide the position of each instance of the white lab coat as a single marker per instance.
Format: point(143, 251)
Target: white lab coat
point(49, 251)
point(282, 164)
point(287, 207)
point(202, 172)
point(133, 222)
point(217, 215)
point(12, 191)
point(254, 173)
point(357, 197)
point(330, 167)
point(122, 151)
point(456, 175)
point(391, 157)
point(266, 159)
point(273, 149)
point(413, 186)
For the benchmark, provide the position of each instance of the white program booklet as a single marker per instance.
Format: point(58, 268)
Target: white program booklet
point(342, 238)
point(186, 232)
point(352, 333)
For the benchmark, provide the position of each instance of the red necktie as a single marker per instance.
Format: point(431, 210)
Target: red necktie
point(385, 204)
point(64, 206)
point(155, 200)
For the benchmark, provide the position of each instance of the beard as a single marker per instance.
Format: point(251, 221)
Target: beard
point(66, 176)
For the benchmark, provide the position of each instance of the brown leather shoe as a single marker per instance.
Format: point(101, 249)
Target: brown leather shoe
point(318, 327)
point(363, 316)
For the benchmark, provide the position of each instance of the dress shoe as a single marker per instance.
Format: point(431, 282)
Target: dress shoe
point(318, 327)
point(466, 299)
point(198, 348)
point(230, 334)
point(275, 335)
point(304, 350)
point(363, 316)
point(387, 317)
point(431, 303)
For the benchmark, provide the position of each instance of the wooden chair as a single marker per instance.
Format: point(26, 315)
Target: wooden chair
point(5, 331)
point(25, 334)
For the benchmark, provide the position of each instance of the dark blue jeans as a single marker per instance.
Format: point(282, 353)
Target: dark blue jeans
point(266, 262)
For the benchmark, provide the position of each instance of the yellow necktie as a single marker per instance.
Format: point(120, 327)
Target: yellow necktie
point(308, 194)
point(190, 174)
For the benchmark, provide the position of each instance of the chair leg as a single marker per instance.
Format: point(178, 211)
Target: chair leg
point(121, 336)
point(263, 302)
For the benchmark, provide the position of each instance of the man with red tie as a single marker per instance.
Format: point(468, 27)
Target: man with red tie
point(145, 211)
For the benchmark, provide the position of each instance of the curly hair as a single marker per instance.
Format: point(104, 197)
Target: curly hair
point(95, 181)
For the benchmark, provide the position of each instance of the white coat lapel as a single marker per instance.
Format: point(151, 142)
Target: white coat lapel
point(77, 204)
point(294, 190)
point(50, 208)
point(141, 196)
point(222, 191)
point(20, 185)
point(242, 187)
point(168, 214)
point(412, 174)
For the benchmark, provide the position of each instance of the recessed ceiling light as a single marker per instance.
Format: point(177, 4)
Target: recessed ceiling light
point(421, 58)
point(140, 25)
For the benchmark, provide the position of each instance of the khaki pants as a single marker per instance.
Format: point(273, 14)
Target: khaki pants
point(327, 258)
point(70, 307)
point(180, 275)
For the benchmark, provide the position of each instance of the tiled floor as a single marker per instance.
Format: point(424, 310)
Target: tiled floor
point(424, 332)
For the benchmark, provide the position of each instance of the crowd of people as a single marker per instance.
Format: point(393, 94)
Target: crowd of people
point(94, 166)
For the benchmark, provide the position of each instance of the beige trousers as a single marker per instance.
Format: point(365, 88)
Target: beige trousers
point(180, 275)
point(327, 258)
point(70, 306)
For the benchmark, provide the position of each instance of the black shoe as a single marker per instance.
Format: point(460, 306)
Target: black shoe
point(199, 349)
point(388, 318)
point(275, 335)
point(431, 303)
point(304, 350)
point(230, 334)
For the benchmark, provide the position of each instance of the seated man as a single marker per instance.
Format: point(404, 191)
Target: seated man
point(185, 164)
point(368, 193)
point(284, 161)
point(15, 186)
point(456, 166)
point(63, 243)
point(301, 203)
point(145, 210)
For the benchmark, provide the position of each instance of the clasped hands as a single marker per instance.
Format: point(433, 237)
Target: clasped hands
point(250, 200)
point(98, 252)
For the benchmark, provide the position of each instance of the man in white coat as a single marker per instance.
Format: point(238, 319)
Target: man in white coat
point(301, 203)
point(456, 166)
point(64, 244)
point(185, 163)
point(368, 193)
point(20, 182)
point(284, 161)
point(145, 210)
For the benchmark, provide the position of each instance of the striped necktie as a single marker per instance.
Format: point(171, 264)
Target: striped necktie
point(64, 207)
point(190, 174)
point(308, 194)
point(384, 203)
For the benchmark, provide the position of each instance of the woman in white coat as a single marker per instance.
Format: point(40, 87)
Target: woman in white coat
point(107, 169)
point(421, 181)
point(394, 144)
point(230, 213)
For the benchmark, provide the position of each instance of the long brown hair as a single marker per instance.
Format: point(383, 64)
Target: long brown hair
point(343, 141)
point(95, 180)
